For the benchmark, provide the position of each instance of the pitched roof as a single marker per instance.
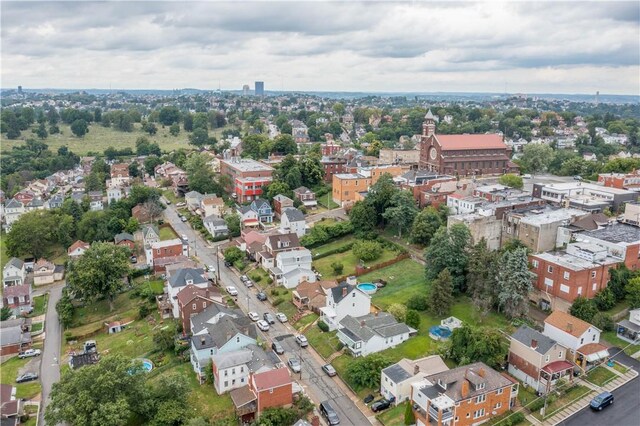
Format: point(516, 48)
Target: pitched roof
point(190, 292)
point(302, 190)
point(14, 261)
point(180, 278)
point(339, 293)
point(294, 215)
point(397, 373)
point(271, 379)
point(568, 323)
point(474, 373)
point(242, 396)
point(259, 202)
point(226, 328)
point(78, 245)
point(282, 198)
point(526, 335)
point(17, 290)
point(591, 222)
point(13, 204)
point(201, 320)
point(291, 238)
point(461, 142)
point(123, 236)
point(429, 115)
point(364, 328)
point(214, 220)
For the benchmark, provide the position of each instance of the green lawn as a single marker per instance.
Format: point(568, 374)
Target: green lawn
point(9, 372)
point(404, 280)
point(40, 305)
point(573, 394)
point(259, 276)
point(169, 195)
point(157, 286)
point(306, 320)
point(612, 338)
point(167, 233)
point(4, 257)
point(327, 202)
point(349, 261)
point(620, 368)
point(618, 307)
point(526, 395)
point(600, 376)
point(325, 343)
point(90, 318)
point(393, 416)
point(37, 327)
point(340, 242)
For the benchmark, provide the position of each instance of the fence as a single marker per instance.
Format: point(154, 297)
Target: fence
point(362, 270)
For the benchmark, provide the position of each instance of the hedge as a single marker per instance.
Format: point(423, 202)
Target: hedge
point(323, 326)
point(340, 249)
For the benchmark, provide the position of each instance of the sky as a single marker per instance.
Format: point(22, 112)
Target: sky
point(517, 47)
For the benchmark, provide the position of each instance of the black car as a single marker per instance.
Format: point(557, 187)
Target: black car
point(261, 296)
point(26, 377)
point(268, 318)
point(367, 399)
point(380, 405)
point(601, 401)
point(227, 264)
point(277, 348)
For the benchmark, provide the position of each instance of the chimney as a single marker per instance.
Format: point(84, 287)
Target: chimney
point(481, 372)
point(416, 369)
point(534, 343)
point(344, 291)
point(570, 327)
point(315, 421)
point(362, 323)
point(465, 388)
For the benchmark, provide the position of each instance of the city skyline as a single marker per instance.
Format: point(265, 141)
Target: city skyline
point(570, 47)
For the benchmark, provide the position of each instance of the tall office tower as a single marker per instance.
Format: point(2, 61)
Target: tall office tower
point(259, 88)
point(245, 90)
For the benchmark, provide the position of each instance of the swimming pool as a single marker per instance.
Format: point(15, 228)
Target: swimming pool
point(438, 332)
point(368, 288)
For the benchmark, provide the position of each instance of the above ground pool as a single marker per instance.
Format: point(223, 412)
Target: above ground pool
point(147, 365)
point(368, 288)
point(438, 332)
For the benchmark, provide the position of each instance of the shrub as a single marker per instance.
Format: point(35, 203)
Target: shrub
point(337, 267)
point(269, 280)
point(603, 321)
point(412, 318)
point(605, 299)
point(418, 303)
point(399, 311)
point(233, 254)
point(341, 249)
point(143, 311)
point(323, 326)
point(274, 292)
point(409, 418)
point(367, 250)
point(277, 301)
point(536, 405)
point(364, 372)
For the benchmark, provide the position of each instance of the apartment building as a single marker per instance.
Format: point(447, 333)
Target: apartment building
point(248, 177)
point(346, 187)
point(583, 195)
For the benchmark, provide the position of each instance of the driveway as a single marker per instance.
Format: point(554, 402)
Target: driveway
point(318, 386)
point(49, 368)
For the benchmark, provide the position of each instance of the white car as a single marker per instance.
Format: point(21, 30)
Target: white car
point(181, 204)
point(281, 317)
point(301, 340)
point(253, 316)
point(232, 290)
point(184, 238)
point(211, 268)
point(263, 325)
point(29, 353)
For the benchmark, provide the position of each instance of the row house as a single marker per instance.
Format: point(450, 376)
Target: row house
point(333, 165)
point(344, 299)
point(396, 380)
point(280, 204)
point(232, 370)
point(192, 299)
point(306, 196)
point(266, 389)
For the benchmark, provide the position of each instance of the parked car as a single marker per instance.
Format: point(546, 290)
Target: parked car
point(601, 401)
point(211, 268)
point(243, 278)
point(181, 204)
point(25, 310)
point(329, 413)
point(302, 341)
point(281, 317)
point(133, 259)
point(26, 377)
point(577, 177)
point(380, 405)
point(261, 296)
point(294, 363)
point(232, 290)
point(253, 316)
point(29, 353)
point(368, 399)
point(527, 176)
point(263, 325)
point(248, 283)
point(268, 318)
point(328, 368)
point(277, 348)
point(183, 218)
point(228, 264)
point(184, 238)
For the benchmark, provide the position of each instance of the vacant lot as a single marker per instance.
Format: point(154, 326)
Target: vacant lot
point(167, 233)
point(404, 279)
point(348, 260)
point(9, 371)
point(4, 257)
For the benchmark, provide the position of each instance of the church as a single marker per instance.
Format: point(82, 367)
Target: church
point(463, 155)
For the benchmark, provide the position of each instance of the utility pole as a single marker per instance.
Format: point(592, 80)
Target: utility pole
point(218, 261)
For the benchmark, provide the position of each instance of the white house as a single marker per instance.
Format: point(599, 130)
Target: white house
point(629, 330)
point(96, 201)
point(192, 199)
point(180, 279)
point(114, 194)
point(77, 249)
point(292, 220)
point(288, 262)
point(12, 212)
point(216, 226)
point(396, 380)
point(372, 333)
point(14, 273)
point(579, 337)
point(344, 299)
point(231, 370)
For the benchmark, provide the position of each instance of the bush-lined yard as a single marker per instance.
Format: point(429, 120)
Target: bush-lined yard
point(167, 233)
point(404, 280)
point(9, 372)
point(348, 260)
point(325, 343)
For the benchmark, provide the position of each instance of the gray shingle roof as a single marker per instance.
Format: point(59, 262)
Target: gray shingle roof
point(294, 215)
point(180, 278)
point(218, 334)
point(13, 204)
point(14, 261)
point(367, 326)
point(214, 220)
point(526, 334)
point(123, 236)
point(200, 320)
point(337, 291)
point(477, 372)
point(396, 373)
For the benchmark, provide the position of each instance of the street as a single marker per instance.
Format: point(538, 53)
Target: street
point(49, 364)
point(318, 386)
point(626, 408)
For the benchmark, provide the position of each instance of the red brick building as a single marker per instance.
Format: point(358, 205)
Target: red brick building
point(248, 177)
point(629, 181)
point(463, 155)
point(332, 166)
point(273, 388)
point(191, 301)
point(125, 239)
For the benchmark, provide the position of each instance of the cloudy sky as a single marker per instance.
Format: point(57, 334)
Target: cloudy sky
point(572, 47)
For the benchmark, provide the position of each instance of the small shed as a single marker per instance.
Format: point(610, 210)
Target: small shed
point(116, 327)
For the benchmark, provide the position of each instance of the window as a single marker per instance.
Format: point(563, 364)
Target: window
point(481, 398)
point(594, 286)
point(593, 338)
point(480, 386)
point(499, 405)
point(564, 288)
point(242, 380)
point(226, 373)
point(270, 390)
point(233, 371)
point(238, 339)
point(546, 358)
point(204, 305)
point(193, 307)
point(560, 354)
point(499, 392)
point(579, 290)
point(353, 294)
point(233, 382)
point(226, 383)
point(566, 275)
point(549, 269)
point(479, 413)
point(582, 340)
point(535, 263)
point(468, 415)
point(593, 274)
point(548, 282)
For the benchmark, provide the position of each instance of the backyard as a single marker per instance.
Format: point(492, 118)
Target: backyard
point(393, 416)
point(347, 259)
point(612, 338)
point(9, 372)
point(167, 233)
point(4, 257)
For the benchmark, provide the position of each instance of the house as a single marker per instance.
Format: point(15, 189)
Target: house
point(125, 239)
point(292, 267)
point(35, 204)
point(274, 244)
point(13, 209)
point(95, 203)
point(396, 380)
point(192, 199)
point(141, 213)
point(629, 330)
point(306, 196)
point(263, 209)
point(216, 226)
point(537, 360)
point(231, 370)
point(164, 264)
point(181, 279)
point(166, 248)
point(15, 336)
point(14, 272)
point(150, 234)
point(45, 272)
point(579, 337)
point(9, 405)
point(464, 396)
point(17, 297)
point(77, 249)
point(372, 333)
point(292, 220)
point(299, 131)
point(346, 187)
point(248, 217)
point(273, 388)
point(212, 205)
point(280, 204)
point(344, 299)
point(114, 194)
point(116, 326)
point(312, 295)
point(55, 202)
point(120, 174)
point(192, 300)
point(228, 334)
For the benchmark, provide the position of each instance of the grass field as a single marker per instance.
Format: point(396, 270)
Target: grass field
point(600, 376)
point(40, 305)
point(325, 343)
point(9, 372)
point(405, 279)
point(574, 393)
point(348, 260)
point(340, 242)
point(611, 337)
point(167, 233)
point(327, 203)
point(393, 416)
point(100, 138)
point(4, 257)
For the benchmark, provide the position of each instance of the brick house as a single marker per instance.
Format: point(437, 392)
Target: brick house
point(77, 249)
point(465, 396)
point(17, 297)
point(192, 300)
point(306, 196)
point(280, 204)
point(15, 336)
point(331, 166)
point(273, 388)
point(125, 239)
point(346, 186)
point(167, 248)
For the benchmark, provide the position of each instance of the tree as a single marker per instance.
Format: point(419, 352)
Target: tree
point(150, 128)
point(37, 232)
point(603, 321)
point(481, 276)
point(605, 299)
point(169, 115)
point(65, 309)
point(513, 283)
point(277, 416)
point(5, 313)
point(512, 181)
point(418, 302)
point(583, 308)
point(145, 147)
point(201, 176)
point(200, 137)
point(402, 210)
point(367, 250)
point(363, 218)
point(337, 268)
point(278, 187)
point(164, 339)
point(412, 319)
point(99, 272)
point(233, 254)
point(618, 279)
point(449, 250)
point(285, 144)
point(425, 225)
point(484, 344)
point(233, 224)
point(104, 394)
point(536, 157)
point(174, 130)
point(187, 122)
point(150, 164)
point(399, 311)
point(79, 128)
point(380, 195)
point(409, 417)
point(134, 170)
point(338, 108)
point(42, 131)
point(633, 293)
point(365, 371)
point(441, 293)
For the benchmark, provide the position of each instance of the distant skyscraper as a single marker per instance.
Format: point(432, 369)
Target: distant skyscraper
point(245, 90)
point(259, 88)
point(597, 97)
point(20, 90)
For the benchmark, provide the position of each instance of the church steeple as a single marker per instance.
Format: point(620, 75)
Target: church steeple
point(429, 125)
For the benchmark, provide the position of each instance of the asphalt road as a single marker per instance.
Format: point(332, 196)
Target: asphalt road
point(318, 386)
point(49, 366)
point(626, 408)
